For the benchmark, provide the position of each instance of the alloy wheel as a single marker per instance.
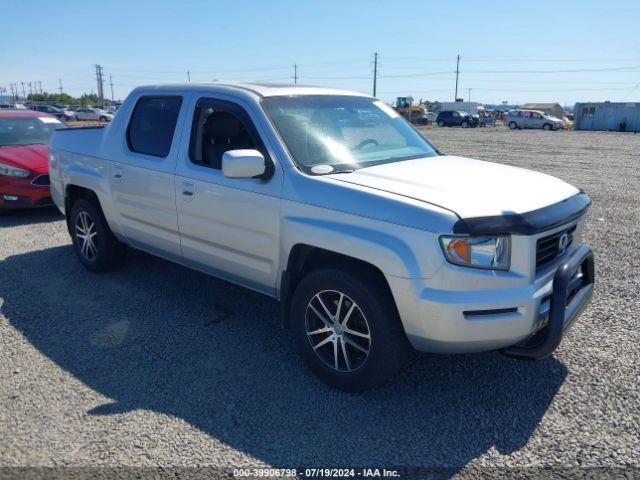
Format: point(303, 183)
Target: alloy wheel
point(338, 331)
point(87, 235)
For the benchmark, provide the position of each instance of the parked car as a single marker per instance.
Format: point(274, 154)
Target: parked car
point(24, 179)
point(331, 202)
point(59, 113)
point(532, 119)
point(89, 113)
point(452, 118)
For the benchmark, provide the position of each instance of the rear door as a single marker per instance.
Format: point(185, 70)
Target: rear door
point(229, 227)
point(537, 120)
point(142, 178)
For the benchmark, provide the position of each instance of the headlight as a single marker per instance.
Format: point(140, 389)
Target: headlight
point(491, 252)
point(13, 171)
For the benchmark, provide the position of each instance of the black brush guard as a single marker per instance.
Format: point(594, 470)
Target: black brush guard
point(572, 289)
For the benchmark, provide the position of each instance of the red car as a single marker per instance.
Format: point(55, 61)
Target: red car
point(24, 158)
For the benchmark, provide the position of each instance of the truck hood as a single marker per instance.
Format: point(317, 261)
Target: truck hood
point(30, 157)
point(470, 188)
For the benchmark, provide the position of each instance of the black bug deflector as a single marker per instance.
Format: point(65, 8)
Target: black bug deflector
point(572, 289)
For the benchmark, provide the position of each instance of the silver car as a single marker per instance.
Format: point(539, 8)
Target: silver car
point(532, 119)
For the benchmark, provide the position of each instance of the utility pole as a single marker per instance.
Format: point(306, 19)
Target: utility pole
point(40, 85)
point(60, 81)
point(295, 73)
point(189, 76)
point(457, 74)
point(100, 81)
point(111, 83)
point(375, 73)
point(30, 90)
point(24, 95)
point(469, 94)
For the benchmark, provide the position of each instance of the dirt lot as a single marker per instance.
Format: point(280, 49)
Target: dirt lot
point(154, 364)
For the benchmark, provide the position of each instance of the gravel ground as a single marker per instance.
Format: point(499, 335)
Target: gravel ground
point(156, 365)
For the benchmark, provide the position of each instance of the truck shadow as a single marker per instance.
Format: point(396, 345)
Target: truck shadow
point(153, 335)
point(17, 218)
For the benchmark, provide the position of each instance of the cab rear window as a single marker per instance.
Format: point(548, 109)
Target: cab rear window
point(153, 124)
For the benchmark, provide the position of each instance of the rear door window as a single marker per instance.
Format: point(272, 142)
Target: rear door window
point(152, 125)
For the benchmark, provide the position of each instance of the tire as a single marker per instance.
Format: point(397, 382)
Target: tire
point(547, 127)
point(104, 252)
point(103, 119)
point(440, 123)
point(513, 125)
point(465, 125)
point(372, 313)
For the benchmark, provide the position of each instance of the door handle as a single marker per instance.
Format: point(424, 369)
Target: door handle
point(117, 174)
point(188, 190)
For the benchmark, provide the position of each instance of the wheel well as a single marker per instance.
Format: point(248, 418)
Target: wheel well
point(73, 193)
point(306, 258)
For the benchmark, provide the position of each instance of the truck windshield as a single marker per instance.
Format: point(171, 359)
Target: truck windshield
point(338, 133)
point(27, 131)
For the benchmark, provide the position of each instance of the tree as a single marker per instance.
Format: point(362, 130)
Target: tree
point(63, 98)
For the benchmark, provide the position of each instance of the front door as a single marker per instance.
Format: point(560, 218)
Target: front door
point(228, 227)
point(142, 181)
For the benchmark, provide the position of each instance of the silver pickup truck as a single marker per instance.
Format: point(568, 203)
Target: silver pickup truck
point(372, 240)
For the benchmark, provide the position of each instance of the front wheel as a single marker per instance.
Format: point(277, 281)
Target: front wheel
point(347, 329)
point(96, 246)
point(547, 127)
point(513, 125)
point(465, 124)
point(103, 119)
point(440, 123)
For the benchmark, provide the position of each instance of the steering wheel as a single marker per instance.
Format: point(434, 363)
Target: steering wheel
point(364, 143)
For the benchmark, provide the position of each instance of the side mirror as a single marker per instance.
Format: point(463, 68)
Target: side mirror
point(243, 164)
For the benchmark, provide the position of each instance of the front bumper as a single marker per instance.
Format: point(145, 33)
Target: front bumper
point(573, 285)
point(16, 192)
point(462, 321)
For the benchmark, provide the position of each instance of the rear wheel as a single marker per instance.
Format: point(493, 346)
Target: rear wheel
point(96, 246)
point(347, 330)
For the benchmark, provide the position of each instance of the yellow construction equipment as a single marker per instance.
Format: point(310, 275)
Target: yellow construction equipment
point(415, 113)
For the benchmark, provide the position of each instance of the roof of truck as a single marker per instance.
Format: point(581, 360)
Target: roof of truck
point(260, 89)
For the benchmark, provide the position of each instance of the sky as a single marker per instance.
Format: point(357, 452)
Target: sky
point(510, 51)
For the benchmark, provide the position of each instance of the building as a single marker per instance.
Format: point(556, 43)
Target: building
point(607, 116)
point(553, 109)
point(471, 108)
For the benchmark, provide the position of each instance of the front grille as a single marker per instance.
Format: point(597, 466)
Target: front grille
point(548, 248)
point(42, 180)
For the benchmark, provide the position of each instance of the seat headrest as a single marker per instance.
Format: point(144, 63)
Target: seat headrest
point(222, 125)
